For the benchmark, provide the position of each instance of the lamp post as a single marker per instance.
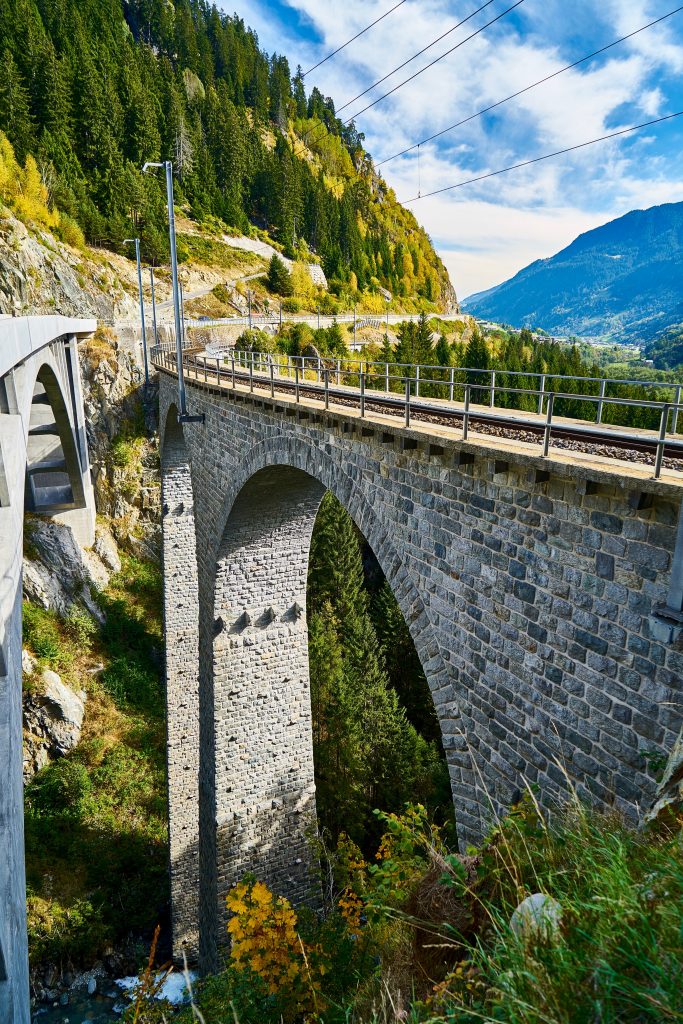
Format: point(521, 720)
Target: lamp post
point(136, 242)
point(183, 416)
point(154, 307)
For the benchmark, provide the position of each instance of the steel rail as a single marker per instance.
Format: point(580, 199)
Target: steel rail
point(659, 444)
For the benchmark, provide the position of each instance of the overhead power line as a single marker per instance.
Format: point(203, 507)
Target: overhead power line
point(547, 156)
point(353, 38)
point(527, 88)
point(414, 57)
point(426, 67)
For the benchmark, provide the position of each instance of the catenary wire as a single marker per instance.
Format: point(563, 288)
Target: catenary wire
point(414, 57)
point(426, 67)
point(527, 88)
point(353, 38)
point(546, 156)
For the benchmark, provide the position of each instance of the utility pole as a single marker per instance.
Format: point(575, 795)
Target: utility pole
point(318, 317)
point(154, 307)
point(136, 242)
point(183, 415)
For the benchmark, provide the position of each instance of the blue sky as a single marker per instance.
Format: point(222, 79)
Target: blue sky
point(488, 231)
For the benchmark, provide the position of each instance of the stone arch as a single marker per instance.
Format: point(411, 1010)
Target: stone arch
point(257, 788)
point(54, 472)
point(181, 628)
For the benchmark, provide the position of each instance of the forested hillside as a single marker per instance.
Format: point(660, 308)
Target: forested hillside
point(94, 89)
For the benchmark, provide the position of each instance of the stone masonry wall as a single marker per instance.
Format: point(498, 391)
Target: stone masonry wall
point(181, 625)
point(527, 584)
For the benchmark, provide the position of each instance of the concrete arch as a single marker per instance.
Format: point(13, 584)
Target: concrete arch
point(257, 776)
point(181, 625)
point(53, 463)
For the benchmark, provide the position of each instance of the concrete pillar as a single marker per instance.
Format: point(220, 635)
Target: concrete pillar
point(14, 991)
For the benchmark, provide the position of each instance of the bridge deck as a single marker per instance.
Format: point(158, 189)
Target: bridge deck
point(573, 443)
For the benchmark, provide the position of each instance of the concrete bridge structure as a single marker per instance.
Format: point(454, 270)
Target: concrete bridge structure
point(533, 588)
point(44, 469)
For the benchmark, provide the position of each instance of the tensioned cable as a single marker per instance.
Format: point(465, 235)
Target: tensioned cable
point(353, 39)
point(527, 88)
point(547, 156)
point(414, 57)
point(431, 63)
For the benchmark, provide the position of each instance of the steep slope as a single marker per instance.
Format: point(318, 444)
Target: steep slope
point(621, 280)
point(94, 89)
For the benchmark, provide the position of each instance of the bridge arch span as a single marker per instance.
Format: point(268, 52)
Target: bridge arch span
point(258, 793)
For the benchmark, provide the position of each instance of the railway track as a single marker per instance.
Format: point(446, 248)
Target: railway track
point(579, 436)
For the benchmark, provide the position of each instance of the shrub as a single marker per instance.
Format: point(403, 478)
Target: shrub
point(42, 634)
point(80, 627)
point(63, 786)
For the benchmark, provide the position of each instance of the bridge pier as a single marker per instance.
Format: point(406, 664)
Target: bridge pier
point(43, 467)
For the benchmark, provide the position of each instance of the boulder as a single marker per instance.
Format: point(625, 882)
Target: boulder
point(28, 664)
point(537, 917)
point(105, 548)
point(53, 720)
point(62, 573)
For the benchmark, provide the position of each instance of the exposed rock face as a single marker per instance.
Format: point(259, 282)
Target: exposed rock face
point(125, 465)
point(53, 719)
point(62, 573)
point(44, 278)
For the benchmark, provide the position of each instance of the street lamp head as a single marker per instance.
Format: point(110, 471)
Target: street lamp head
point(131, 240)
point(150, 163)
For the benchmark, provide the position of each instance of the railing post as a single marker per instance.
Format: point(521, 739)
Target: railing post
point(218, 372)
point(327, 388)
point(205, 370)
point(407, 401)
point(233, 373)
point(338, 370)
point(296, 382)
point(541, 396)
point(601, 400)
point(466, 412)
point(661, 439)
point(362, 394)
point(450, 384)
point(493, 389)
point(548, 424)
point(417, 381)
point(674, 418)
point(251, 374)
point(272, 381)
point(386, 377)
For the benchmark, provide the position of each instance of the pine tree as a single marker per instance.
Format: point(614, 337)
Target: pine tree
point(278, 279)
point(15, 109)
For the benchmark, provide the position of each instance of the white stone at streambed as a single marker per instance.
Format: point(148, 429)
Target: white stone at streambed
point(174, 988)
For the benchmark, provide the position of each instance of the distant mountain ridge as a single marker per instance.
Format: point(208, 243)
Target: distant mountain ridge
point(620, 281)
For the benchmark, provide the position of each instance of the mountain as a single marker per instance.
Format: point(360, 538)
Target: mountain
point(620, 281)
point(91, 89)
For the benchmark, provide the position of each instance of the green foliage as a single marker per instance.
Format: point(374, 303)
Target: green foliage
point(43, 635)
point(255, 340)
point(96, 832)
point(367, 752)
point(279, 279)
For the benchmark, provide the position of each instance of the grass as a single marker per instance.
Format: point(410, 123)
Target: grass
point(96, 833)
point(441, 950)
point(209, 252)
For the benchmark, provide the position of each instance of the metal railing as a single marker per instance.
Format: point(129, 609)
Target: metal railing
point(455, 392)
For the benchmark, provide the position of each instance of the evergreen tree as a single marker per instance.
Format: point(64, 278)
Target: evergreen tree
point(278, 279)
point(15, 109)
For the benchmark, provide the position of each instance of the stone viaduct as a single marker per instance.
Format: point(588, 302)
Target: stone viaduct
point(531, 587)
point(44, 469)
